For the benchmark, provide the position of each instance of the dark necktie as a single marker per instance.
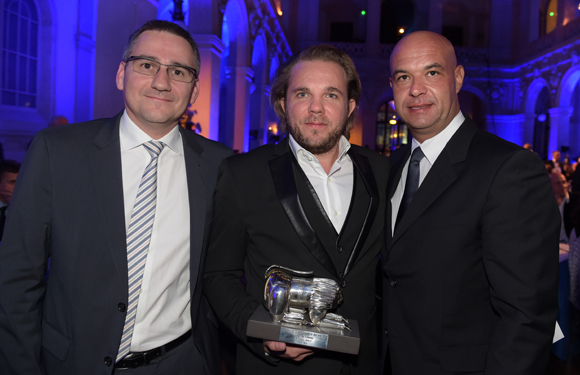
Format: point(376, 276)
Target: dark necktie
point(412, 183)
point(2, 220)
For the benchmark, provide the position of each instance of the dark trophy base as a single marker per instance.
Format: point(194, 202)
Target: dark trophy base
point(261, 326)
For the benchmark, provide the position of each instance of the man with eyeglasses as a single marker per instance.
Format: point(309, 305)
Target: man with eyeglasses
point(121, 206)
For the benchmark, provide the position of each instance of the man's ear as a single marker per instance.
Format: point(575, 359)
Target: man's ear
point(459, 75)
point(121, 75)
point(194, 92)
point(351, 106)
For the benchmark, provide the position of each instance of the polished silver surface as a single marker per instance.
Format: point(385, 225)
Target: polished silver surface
point(292, 298)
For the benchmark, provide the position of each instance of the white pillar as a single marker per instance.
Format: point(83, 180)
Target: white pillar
point(243, 77)
point(559, 127)
point(207, 103)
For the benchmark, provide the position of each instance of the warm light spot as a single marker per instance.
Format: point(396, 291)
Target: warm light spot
point(401, 30)
point(280, 12)
point(393, 122)
point(578, 6)
point(363, 12)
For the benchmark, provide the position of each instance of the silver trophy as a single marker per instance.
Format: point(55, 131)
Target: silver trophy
point(297, 297)
point(296, 312)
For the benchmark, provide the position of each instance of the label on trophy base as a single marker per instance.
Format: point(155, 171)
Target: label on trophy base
point(299, 337)
point(261, 326)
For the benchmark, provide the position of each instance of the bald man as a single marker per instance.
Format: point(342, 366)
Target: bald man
point(472, 230)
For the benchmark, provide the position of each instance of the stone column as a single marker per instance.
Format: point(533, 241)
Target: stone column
point(559, 127)
point(242, 76)
point(85, 61)
point(373, 43)
point(207, 103)
point(530, 123)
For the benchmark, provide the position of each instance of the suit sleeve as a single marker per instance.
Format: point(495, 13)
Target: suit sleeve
point(24, 251)
point(226, 256)
point(521, 225)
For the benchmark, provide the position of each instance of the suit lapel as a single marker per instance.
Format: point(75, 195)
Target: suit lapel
point(362, 164)
point(105, 164)
point(439, 178)
point(285, 184)
point(196, 171)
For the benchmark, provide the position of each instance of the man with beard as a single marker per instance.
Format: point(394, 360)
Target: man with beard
point(313, 202)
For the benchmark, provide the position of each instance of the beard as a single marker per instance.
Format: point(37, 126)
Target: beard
point(307, 138)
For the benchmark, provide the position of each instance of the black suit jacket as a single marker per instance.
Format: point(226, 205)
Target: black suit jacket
point(472, 268)
point(68, 204)
point(264, 215)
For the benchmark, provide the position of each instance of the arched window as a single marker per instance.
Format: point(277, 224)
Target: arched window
point(19, 53)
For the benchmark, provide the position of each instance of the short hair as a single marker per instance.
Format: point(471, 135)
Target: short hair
point(321, 52)
point(10, 166)
point(168, 27)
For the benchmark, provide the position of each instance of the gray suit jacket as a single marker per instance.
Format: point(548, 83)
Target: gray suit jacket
point(68, 205)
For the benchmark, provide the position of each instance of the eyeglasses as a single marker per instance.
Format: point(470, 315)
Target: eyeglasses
point(150, 67)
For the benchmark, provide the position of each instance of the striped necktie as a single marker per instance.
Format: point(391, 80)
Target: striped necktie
point(138, 239)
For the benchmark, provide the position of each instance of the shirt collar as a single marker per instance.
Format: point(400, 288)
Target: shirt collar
point(132, 136)
point(432, 147)
point(343, 147)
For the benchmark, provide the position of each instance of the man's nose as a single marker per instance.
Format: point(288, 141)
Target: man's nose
point(161, 80)
point(417, 88)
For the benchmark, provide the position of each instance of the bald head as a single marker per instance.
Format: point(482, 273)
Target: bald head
point(418, 40)
point(425, 79)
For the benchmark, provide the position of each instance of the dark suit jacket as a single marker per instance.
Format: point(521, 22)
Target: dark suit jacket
point(472, 268)
point(68, 204)
point(265, 215)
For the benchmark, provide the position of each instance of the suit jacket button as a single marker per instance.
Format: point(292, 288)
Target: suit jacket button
point(122, 307)
point(386, 333)
point(340, 249)
point(343, 284)
point(393, 283)
point(108, 361)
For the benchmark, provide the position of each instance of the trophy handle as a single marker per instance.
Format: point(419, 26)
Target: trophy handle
point(287, 270)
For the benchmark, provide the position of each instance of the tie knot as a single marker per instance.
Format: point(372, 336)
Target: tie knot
point(154, 148)
point(417, 155)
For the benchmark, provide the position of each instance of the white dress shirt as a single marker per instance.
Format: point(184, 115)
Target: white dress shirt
point(163, 312)
point(431, 148)
point(334, 189)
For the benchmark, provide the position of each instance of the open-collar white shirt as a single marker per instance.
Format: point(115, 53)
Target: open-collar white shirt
point(334, 189)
